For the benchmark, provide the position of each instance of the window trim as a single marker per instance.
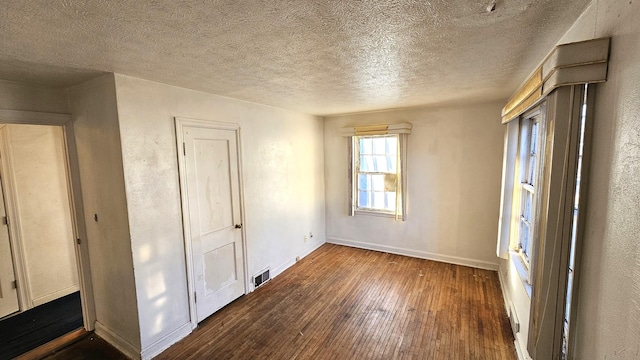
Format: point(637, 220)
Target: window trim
point(562, 86)
point(537, 115)
point(357, 171)
point(402, 130)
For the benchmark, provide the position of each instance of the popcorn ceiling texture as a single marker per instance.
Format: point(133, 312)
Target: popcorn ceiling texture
point(318, 57)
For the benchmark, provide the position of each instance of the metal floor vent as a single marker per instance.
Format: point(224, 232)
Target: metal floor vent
point(261, 278)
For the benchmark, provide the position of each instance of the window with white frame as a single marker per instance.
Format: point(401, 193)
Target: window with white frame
point(528, 172)
point(542, 217)
point(376, 173)
point(377, 169)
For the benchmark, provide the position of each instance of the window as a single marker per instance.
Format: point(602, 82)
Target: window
point(528, 172)
point(377, 168)
point(376, 173)
point(545, 174)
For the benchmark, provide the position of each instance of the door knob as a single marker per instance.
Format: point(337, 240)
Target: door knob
point(238, 226)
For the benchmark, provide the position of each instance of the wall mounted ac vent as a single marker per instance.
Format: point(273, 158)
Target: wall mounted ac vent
point(260, 279)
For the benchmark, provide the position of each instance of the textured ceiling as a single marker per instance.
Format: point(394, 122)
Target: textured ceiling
point(318, 57)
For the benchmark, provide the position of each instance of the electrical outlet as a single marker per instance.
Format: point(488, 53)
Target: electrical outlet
point(305, 238)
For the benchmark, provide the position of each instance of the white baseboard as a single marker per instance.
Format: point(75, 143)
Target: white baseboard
point(311, 248)
point(165, 342)
point(503, 287)
point(416, 253)
point(287, 264)
point(118, 342)
point(290, 262)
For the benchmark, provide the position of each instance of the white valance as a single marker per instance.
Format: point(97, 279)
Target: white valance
point(376, 129)
point(576, 63)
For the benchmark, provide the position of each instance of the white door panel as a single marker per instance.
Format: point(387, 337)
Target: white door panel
point(213, 193)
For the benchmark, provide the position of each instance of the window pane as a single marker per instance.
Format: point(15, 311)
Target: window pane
point(377, 182)
point(365, 146)
point(525, 232)
point(391, 163)
point(390, 182)
point(366, 163)
point(532, 169)
point(363, 199)
point(364, 182)
point(378, 200)
point(379, 145)
point(527, 247)
point(376, 172)
point(380, 163)
point(527, 206)
point(390, 201)
point(392, 145)
point(534, 139)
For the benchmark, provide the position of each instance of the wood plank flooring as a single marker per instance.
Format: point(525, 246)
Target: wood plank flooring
point(90, 347)
point(346, 303)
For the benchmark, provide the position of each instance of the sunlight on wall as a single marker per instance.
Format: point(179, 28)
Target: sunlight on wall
point(144, 253)
point(155, 286)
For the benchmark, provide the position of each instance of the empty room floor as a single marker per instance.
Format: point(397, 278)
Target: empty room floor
point(346, 303)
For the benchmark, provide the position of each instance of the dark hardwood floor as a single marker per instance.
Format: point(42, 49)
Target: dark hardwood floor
point(90, 347)
point(346, 303)
point(39, 325)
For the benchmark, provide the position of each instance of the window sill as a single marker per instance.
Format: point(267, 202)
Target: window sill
point(522, 271)
point(375, 213)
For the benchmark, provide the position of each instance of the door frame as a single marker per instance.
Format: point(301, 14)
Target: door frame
point(75, 202)
point(180, 124)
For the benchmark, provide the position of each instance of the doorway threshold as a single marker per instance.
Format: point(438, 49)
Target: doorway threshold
point(54, 345)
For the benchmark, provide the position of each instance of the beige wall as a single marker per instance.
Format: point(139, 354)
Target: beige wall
point(282, 160)
point(38, 164)
point(453, 173)
point(608, 324)
point(19, 96)
point(95, 118)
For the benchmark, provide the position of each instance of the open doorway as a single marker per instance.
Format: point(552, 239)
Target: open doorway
point(39, 277)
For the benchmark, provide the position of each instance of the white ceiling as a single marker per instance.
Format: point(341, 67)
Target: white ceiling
point(313, 56)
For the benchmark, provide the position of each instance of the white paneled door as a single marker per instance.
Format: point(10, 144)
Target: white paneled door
point(215, 224)
point(8, 292)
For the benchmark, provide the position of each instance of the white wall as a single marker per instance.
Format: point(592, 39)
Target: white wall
point(608, 324)
point(454, 167)
point(95, 117)
point(19, 96)
point(282, 158)
point(38, 165)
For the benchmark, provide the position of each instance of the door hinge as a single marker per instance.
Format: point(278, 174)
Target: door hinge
point(195, 297)
point(184, 148)
point(78, 241)
point(5, 220)
point(14, 284)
